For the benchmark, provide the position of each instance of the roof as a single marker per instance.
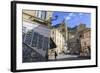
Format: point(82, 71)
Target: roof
point(85, 30)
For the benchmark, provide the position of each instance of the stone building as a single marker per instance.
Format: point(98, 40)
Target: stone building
point(85, 38)
point(59, 36)
point(79, 40)
point(74, 43)
point(36, 35)
point(43, 15)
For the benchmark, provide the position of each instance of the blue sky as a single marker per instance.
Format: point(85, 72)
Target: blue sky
point(72, 18)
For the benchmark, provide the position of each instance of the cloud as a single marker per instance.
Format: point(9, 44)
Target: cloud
point(69, 16)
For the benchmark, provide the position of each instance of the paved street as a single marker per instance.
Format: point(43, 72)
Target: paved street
point(65, 57)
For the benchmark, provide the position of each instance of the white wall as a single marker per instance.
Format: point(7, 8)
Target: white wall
point(5, 36)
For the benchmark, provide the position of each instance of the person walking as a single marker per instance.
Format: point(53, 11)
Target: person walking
point(55, 54)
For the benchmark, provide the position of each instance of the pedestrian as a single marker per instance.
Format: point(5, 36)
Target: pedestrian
point(55, 54)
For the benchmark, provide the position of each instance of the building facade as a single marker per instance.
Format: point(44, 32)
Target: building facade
point(43, 15)
point(79, 40)
point(85, 38)
point(36, 35)
point(74, 42)
point(59, 35)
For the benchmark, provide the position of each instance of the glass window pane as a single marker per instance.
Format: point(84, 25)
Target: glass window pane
point(40, 42)
point(28, 37)
point(46, 43)
point(35, 38)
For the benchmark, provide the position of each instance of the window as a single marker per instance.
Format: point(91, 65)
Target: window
point(43, 15)
point(84, 43)
point(28, 37)
point(63, 30)
point(40, 41)
point(53, 32)
point(39, 14)
point(46, 43)
point(35, 39)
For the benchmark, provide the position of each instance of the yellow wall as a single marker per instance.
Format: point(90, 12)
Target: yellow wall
point(58, 39)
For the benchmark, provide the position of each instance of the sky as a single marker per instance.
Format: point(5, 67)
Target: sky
point(72, 19)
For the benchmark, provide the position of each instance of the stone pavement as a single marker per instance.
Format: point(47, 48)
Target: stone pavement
point(64, 56)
